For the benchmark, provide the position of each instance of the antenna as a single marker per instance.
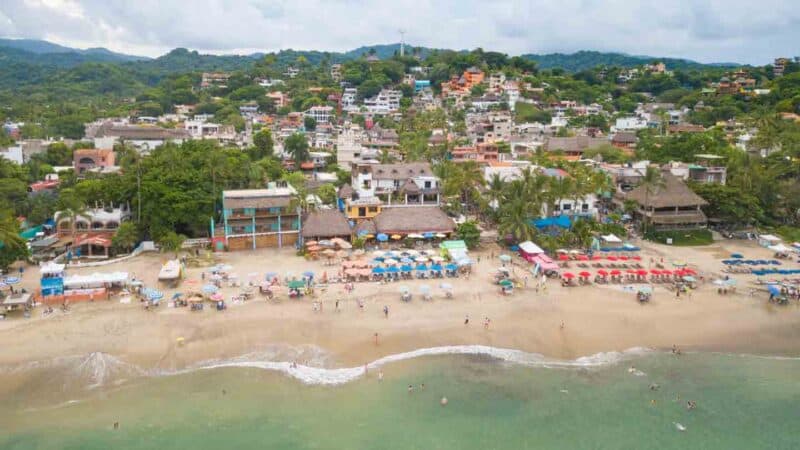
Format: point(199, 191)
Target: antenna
point(402, 41)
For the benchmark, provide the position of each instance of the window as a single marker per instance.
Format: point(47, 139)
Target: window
point(427, 185)
point(566, 207)
point(396, 184)
point(362, 211)
point(585, 207)
point(373, 209)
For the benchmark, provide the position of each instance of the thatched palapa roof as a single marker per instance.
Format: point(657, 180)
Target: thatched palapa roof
point(413, 220)
point(326, 223)
point(674, 193)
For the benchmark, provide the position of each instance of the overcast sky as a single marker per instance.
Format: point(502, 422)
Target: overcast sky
point(709, 31)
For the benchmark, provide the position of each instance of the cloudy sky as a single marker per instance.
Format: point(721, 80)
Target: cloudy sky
point(705, 30)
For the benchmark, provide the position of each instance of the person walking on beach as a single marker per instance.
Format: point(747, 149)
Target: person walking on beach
point(376, 338)
point(337, 304)
point(386, 311)
point(486, 322)
point(466, 320)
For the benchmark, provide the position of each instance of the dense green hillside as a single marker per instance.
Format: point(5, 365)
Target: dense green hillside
point(575, 62)
point(45, 47)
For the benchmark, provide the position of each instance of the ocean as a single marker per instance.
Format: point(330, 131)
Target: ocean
point(496, 399)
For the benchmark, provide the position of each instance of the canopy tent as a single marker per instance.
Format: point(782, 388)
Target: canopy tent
point(559, 221)
point(95, 280)
point(765, 240)
point(610, 240)
point(780, 248)
point(530, 248)
point(52, 268)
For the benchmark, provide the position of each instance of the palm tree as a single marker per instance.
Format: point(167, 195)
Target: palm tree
point(515, 220)
point(652, 181)
point(9, 232)
point(495, 187)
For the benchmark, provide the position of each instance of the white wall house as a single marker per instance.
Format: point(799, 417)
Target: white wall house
point(630, 123)
point(387, 101)
point(412, 184)
point(321, 114)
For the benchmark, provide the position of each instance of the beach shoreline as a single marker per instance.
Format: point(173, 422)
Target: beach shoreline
point(595, 319)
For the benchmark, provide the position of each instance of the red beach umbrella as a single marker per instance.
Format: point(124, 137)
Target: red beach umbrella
point(563, 257)
point(602, 272)
point(623, 258)
point(655, 272)
point(585, 274)
point(596, 257)
point(568, 275)
point(641, 272)
point(636, 258)
point(583, 258)
point(631, 271)
point(612, 258)
point(615, 272)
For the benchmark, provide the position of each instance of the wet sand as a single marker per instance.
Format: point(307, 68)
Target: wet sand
point(596, 318)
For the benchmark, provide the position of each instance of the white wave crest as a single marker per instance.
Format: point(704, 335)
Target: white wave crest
point(326, 376)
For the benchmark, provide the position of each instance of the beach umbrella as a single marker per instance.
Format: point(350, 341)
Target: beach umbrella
point(416, 236)
point(403, 289)
point(390, 261)
point(636, 258)
point(393, 269)
point(421, 259)
point(666, 272)
point(615, 272)
point(406, 260)
point(774, 289)
point(737, 255)
point(329, 252)
point(641, 272)
point(655, 272)
point(378, 253)
point(378, 270)
point(585, 274)
point(507, 258)
point(631, 271)
point(583, 258)
point(308, 274)
point(12, 280)
point(2, 284)
point(623, 258)
point(396, 237)
point(568, 275)
point(422, 267)
point(612, 258)
point(216, 297)
point(269, 276)
point(508, 283)
point(690, 271)
point(451, 267)
point(430, 252)
point(405, 268)
point(210, 289)
point(177, 295)
point(428, 235)
point(596, 257)
point(359, 252)
point(563, 257)
point(602, 273)
point(436, 267)
point(382, 237)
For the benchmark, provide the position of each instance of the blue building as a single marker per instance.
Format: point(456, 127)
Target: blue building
point(421, 84)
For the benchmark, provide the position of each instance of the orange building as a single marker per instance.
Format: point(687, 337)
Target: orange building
point(462, 85)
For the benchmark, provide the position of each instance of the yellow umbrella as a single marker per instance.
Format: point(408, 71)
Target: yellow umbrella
point(396, 237)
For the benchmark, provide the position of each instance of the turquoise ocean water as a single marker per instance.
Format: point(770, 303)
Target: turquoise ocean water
point(743, 402)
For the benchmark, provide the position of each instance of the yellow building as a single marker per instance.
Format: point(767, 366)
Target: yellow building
point(362, 208)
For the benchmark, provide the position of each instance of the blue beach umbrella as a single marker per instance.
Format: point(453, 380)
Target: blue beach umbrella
point(773, 289)
point(210, 289)
point(405, 268)
point(436, 267)
point(378, 270)
point(428, 235)
point(382, 237)
point(451, 267)
point(393, 269)
point(422, 267)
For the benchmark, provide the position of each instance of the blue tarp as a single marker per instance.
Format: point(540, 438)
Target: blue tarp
point(773, 289)
point(558, 221)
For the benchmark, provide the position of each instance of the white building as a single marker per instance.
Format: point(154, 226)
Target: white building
point(630, 123)
point(348, 146)
point(349, 97)
point(13, 154)
point(411, 184)
point(321, 114)
point(387, 101)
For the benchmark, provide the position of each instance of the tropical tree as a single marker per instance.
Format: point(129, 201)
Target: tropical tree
point(171, 242)
point(297, 146)
point(469, 233)
point(515, 221)
point(12, 245)
point(652, 181)
point(126, 237)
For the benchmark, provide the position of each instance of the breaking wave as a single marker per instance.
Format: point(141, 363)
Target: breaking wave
point(312, 374)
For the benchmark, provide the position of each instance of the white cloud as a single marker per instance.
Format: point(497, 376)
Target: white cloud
point(710, 30)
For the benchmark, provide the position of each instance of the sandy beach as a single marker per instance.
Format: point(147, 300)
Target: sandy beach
point(595, 318)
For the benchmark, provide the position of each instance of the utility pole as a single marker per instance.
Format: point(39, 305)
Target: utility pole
point(402, 42)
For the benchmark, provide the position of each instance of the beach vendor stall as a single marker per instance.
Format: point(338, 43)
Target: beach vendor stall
point(296, 288)
point(528, 251)
point(644, 293)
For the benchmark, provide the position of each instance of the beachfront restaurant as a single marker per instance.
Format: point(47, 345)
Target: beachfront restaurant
point(423, 220)
point(326, 224)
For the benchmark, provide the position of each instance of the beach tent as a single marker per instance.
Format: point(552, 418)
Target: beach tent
point(559, 221)
point(528, 250)
point(765, 240)
point(780, 248)
point(95, 280)
point(611, 241)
